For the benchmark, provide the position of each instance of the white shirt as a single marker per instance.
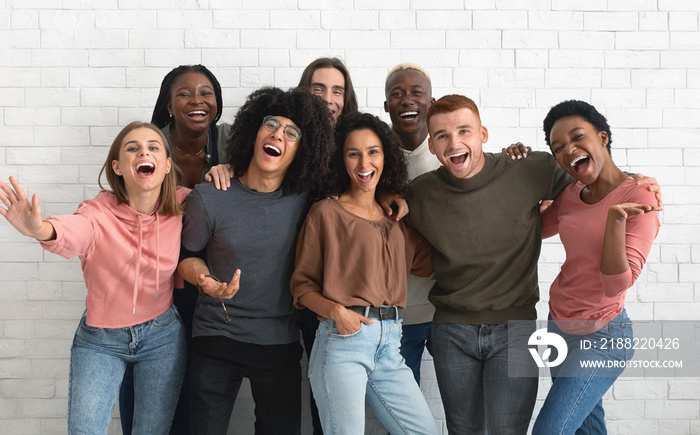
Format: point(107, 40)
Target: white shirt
point(418, 307)
point(420, 160)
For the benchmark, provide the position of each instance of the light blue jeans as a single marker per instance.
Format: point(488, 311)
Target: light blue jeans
point(476, 367)
point(575, 401)
point(99, 357)
point(346, 370)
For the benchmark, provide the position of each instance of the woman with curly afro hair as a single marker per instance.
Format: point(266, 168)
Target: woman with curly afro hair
point(351, 267)
point(279, 149)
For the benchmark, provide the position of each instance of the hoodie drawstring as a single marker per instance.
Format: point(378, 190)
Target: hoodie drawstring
point(138, 262)
point(157, 254)
point(138, 259)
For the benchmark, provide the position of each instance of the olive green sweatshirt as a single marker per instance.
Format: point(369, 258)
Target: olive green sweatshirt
point(487, 235)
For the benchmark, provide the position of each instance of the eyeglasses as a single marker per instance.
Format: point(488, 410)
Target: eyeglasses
point(291, 133)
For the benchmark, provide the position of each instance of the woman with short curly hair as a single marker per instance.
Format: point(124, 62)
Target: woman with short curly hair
point(607, 224)
point(351, 267)
point(247, 235)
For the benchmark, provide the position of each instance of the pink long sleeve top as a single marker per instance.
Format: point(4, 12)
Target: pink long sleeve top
point(581, 292)
point(128, 258)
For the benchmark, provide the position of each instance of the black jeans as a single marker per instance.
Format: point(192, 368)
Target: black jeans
point(274, 372)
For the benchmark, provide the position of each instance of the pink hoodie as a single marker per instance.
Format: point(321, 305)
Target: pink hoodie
point(128, 259)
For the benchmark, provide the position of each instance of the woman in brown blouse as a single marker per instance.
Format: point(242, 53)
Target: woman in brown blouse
point(351, 267)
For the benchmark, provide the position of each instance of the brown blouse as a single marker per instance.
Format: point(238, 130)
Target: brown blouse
point(355, 261)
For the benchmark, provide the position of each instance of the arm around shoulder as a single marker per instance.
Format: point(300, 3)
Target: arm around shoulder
point(196, 224)
point(550, 220)
point(308, 266)
point(419, 252)
point(558, 178)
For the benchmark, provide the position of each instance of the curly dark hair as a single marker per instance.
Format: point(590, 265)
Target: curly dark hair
point(576, 108)
point(309, 112)
point(394, 178)
point(160, 116)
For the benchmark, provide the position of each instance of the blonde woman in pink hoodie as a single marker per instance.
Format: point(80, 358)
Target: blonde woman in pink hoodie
point(128, 242)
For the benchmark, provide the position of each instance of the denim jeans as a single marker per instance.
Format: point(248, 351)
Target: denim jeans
point(346, 370)
point(184, 300)
point(472, 367)
point(575, 400)
point(99, 357)
point(414, 340)
point(308, 324)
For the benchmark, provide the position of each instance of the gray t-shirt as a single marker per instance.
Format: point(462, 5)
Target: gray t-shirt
point(255, 232)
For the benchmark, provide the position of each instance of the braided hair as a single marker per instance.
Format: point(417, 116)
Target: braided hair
point(161, 117)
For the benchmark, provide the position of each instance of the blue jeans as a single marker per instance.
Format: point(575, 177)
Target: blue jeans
point(575, 401)
point(308, 325)
point(414, 340)
point(472, 367)
point(184, 299)
point(99, 357)
point(346, 370)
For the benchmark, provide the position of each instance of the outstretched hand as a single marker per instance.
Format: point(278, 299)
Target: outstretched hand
point(624, 211)
point(217, 289)
point(22, 214)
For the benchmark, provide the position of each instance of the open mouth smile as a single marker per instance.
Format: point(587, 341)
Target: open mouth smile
point(272, 150)
point(579, 163)
point(366, 177)
point(145, 169)
point(458, 159)
point(198, 114)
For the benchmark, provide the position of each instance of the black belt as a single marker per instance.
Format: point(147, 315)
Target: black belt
point(381, 313)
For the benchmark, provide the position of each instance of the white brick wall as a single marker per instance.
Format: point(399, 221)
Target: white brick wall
point(74, 71)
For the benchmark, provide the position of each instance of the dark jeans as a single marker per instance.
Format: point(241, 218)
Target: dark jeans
point(274, 372)
point(308, 324)
point(414, 340)
point(472, 368)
